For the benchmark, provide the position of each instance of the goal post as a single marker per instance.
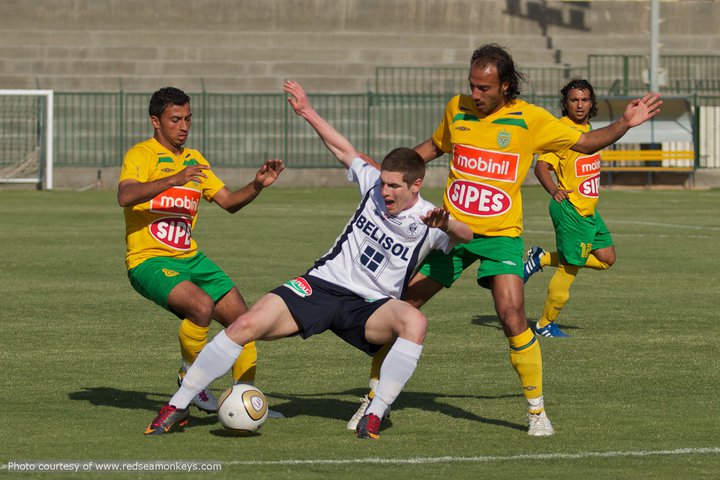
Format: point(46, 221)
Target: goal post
point(26, 137)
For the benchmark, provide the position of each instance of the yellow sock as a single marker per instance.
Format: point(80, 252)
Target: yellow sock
point(244, 368)
point(192, 339)
point(526, 359)
point(375, 368)
point(550, 259)
point(558, 293)
point(595, 264)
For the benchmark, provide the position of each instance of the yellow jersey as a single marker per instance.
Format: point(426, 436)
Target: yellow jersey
point(490, 159)
point(162, 226)
point(577, 172)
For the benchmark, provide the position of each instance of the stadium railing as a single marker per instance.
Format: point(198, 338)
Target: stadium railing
point(648, 162)
point(239, 130)
point(541, 80)
point(680, 74)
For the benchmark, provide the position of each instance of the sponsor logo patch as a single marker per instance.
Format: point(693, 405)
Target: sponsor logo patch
point(299, 286)
point(590, 187)
point(478, 199)
point(174, 232)
point(177, 200)
point(587, 166)
point(170, 273)
point(487, 164)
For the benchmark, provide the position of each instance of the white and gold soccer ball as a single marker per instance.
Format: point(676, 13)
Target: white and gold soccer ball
point(242, 409)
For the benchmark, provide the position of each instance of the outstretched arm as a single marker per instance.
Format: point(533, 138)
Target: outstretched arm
point(440, 218)
point(334, 141)
point(232, 201)
point(637, 112)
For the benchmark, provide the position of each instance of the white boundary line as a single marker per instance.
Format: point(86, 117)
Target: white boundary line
point(477, 459)
point(671, 225)
point(483, 459)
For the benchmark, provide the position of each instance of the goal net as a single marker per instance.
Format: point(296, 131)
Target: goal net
point(26, 134)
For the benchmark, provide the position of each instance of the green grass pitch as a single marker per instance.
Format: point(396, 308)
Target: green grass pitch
point(86, 362)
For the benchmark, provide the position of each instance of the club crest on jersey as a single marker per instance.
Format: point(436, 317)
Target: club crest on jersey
point(299, 287)
point(503, 138)
point(413, 230)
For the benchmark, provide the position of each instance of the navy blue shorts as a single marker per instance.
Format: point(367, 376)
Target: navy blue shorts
point(317, 306)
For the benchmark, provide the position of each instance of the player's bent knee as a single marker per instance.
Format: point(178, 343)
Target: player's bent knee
point(413, 327)
point(241, 331)
point(199, 311)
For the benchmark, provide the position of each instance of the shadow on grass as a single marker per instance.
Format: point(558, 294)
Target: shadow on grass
point(486, 321)
point(493, 321)
point(324, 405)
point(134, 400)
point(331, 407)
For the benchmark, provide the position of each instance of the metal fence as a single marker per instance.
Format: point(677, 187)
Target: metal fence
point(679, 74)
point(541, 81)
point(242, 130)
point(610, 75)
point(707, 118)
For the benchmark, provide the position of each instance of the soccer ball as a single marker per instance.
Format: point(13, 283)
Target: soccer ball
point(242, 409)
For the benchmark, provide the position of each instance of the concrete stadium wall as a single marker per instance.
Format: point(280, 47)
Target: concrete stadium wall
point(329, 45)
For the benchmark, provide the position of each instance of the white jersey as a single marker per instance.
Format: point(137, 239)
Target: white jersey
point(377, 253)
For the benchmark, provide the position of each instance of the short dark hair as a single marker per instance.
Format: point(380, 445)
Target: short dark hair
point(494, 54)
point(165, 97)
point(579, 84)
point(406, 161)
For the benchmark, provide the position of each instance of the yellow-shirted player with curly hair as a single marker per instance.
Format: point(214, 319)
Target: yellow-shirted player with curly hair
point(583, 240)
point(491, 136)
point(160, 187)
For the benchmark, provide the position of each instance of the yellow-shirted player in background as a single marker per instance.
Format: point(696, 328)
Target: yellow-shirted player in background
point(582, 239)
point(491, 136)
point(160, 187)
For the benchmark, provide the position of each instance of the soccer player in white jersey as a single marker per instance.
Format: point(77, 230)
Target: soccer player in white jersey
point(354, 290)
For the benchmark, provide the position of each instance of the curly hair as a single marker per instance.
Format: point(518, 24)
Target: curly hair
point(165, 97)
point(579, 84)
point(494, 54)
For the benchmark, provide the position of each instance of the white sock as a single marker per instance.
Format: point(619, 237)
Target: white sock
point(536, 404)
point(396, 370)
point(214, 361)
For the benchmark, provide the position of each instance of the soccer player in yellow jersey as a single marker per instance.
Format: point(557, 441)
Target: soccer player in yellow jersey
point(491, 136)
point(581, 236)
point(160, 187)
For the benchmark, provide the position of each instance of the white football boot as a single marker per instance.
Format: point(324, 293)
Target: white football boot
point(539, 425)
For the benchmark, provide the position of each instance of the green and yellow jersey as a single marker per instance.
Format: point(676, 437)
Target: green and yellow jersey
point(162, 227)
point(490, 159)
point(577, 172)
